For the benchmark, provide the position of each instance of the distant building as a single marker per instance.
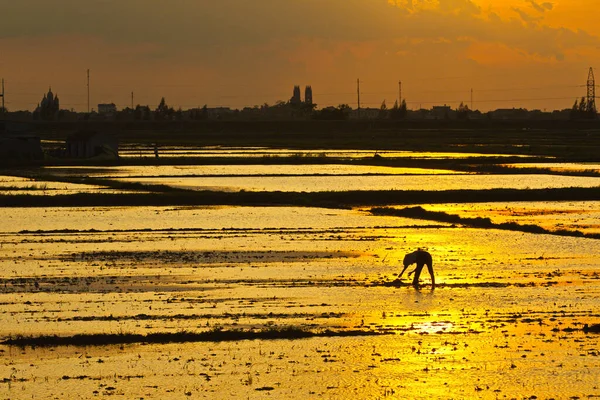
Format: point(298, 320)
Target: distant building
point(87, 144)
point(509, 113)
point(251, 113)
point(365, 113)
point(308, 95)
point(142, 113)
point(107, 110)
point(441, 112)
point(218, 112)
point(296, 97)
point(48, 108)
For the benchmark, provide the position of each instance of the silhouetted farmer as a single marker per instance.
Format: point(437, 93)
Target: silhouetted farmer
point(421, 258)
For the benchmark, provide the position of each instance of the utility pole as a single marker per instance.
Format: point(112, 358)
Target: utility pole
point(88, 91)
point(2, 95)
point(132, 100)
point(358, 93)
point(399, 93)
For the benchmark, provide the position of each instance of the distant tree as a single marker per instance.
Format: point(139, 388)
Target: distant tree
point(341, 112)
point(463, 111)
point(575, 111)
point(583, 110)
point(383, 110)
point(399, 111)
point(345, 108)
point(582, 107)
point(590, 110)
point(394, 111)
point(137, 113)
point(163, 111)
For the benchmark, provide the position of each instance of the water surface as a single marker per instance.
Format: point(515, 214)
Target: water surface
point(363, 182)
point(494, 327)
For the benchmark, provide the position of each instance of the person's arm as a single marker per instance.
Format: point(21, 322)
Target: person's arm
point(400, 276)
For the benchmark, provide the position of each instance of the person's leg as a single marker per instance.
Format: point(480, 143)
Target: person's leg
point(415, 281)
point(430, 269)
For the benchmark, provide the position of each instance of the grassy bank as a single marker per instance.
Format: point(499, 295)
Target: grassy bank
point(478, 222)
point(215, 335)
point(317, 199)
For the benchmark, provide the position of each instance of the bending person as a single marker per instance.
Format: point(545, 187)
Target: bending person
point(421, 258)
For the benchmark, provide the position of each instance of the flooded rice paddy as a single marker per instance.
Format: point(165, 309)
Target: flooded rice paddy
point(506, 320)
point(561, 167)
point(305, 183)
point(145, 151)
point(241, 170)
point(12, 185)
point(317, 178)
point(583, 216)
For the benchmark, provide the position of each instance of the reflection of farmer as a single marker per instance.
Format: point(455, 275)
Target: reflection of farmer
point(421, 258)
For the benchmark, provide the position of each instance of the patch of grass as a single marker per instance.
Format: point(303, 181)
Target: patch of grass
point(214, 335)
point(33, 187)
point(340, 199)
point(478, 222)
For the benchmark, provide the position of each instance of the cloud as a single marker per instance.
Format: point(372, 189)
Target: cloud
point(528, 19)
point(459, 6)
point(267, 44)
point(541, 7)
point(216, 31)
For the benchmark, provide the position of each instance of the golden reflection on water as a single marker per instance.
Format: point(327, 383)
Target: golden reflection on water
point(566, 215)
point(495, 326)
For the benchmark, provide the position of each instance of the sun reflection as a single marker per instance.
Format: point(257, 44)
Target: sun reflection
point(433, 327)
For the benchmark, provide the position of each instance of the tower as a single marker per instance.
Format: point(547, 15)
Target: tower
point(296, 99)
point(591, 92)
point(308, 95)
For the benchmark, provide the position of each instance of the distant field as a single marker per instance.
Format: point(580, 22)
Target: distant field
point(579, 140)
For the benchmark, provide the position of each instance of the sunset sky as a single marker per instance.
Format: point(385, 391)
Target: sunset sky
point(236, 53)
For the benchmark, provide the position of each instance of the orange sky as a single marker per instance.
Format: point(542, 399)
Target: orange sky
point(236, 53)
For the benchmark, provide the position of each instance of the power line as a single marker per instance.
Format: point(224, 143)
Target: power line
point(493, 100)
